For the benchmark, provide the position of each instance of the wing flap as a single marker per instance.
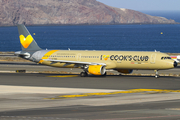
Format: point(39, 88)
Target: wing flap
point(73, 62)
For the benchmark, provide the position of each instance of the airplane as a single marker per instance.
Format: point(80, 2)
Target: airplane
point(93, 62)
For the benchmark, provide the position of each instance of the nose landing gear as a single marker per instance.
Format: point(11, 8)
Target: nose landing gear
point(156, 75)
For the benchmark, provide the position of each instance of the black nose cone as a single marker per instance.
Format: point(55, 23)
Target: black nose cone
point(175, 64)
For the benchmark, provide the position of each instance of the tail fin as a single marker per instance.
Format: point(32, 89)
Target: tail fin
point(26, 40)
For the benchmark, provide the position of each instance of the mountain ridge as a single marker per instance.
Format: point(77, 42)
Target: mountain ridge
point(70, 12)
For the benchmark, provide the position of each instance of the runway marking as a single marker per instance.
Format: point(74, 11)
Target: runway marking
point(146, 91)
point(64, 76)
point(173, 109)
point(4, 89)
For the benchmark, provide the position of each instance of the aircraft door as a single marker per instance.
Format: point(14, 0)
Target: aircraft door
point(153, 58)
point(79, 57)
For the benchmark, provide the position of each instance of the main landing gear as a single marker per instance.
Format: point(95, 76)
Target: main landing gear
point(156, 75)
point(83, 74)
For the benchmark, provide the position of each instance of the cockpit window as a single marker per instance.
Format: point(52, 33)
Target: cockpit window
point(164, 58)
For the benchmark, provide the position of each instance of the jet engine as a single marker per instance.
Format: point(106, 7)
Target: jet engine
point(97, 69)
point(125, 71)
point(23, 54)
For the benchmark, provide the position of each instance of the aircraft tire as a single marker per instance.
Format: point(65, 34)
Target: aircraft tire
point(83, 74)
point(156, 76)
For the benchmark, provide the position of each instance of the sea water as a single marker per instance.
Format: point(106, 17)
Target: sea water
point(164, 38)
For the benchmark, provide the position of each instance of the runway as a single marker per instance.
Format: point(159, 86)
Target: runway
point(64, 95)
point(38, 96)
point(91, 82)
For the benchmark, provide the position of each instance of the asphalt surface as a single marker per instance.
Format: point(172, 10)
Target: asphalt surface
point(92, 82)
point(42, 96)
point(141, 111)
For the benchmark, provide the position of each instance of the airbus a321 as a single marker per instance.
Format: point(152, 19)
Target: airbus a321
point(93, 62)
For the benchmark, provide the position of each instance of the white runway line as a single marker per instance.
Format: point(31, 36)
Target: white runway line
point(6, 89)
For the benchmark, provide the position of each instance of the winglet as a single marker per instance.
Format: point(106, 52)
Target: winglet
point(27, 41)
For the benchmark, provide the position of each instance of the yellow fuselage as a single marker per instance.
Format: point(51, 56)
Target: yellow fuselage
point(112, 59)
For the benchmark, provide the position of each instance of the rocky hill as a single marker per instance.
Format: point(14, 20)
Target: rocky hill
point(40, 12)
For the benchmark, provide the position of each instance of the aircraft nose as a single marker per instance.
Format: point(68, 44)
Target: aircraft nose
point(175, 64)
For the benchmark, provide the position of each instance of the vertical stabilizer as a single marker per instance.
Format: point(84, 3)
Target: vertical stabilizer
point(27, 41)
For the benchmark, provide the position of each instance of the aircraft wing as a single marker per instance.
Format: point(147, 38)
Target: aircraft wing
point(77, 63)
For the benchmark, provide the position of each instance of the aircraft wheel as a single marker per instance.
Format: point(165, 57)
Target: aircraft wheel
point(83, 74)
point(156, 76)
point(120, 74)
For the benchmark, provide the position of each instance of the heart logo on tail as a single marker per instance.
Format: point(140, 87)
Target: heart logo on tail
point(25, 42)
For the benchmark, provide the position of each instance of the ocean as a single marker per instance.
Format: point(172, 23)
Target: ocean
point(164, 38)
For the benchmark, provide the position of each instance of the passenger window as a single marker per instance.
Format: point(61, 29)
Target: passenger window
point(164, 58)
point(169, 57)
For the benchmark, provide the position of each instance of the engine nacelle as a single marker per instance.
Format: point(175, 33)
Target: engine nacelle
point(125, 71)
point(23, 54)
point(97, 69)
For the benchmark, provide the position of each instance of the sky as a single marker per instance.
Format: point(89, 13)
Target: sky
point(145, 5)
